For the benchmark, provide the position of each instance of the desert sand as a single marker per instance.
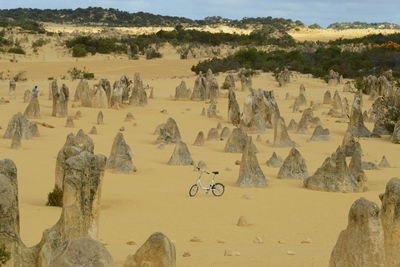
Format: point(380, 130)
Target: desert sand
point(155, 198)
point(51, 27)
point(324, 35)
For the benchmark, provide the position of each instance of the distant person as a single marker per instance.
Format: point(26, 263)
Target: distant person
point(35, 91)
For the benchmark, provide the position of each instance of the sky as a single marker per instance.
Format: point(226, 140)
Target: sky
point(323, 12)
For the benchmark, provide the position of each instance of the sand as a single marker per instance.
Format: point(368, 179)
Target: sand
point(324, 35)
point(52, 27)
point(156, 197)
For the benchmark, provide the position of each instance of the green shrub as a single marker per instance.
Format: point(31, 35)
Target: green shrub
point(152, 53)
point(315, 26)
point(16, 50)
point(55, 198)
point(77, 74)
point(79, 51)
point(88, 75)
point(4, 255)
point(39, 43)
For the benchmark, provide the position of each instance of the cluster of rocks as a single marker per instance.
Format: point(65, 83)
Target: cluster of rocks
point(168, 132)
point(307, 120)
point(356, 125)
point(281, 135)
point(378, 86)
point(205, 88)
point(260, 110)
point(18, 128)
point(335, 175)
point(189, 51)
point(60, 98)
point(103, 95)
point(372, 234)
point(334, 78)
point(237, 141)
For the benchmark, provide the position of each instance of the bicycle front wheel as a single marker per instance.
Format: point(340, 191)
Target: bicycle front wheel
point(193, 190)
point(218, 189)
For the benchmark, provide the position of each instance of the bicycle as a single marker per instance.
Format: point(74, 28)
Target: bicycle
point(217, 189)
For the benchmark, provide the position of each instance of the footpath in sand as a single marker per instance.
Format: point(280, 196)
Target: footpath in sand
point(156, 197)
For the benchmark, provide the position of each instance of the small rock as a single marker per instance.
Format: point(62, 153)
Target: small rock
point(281, 242)
point(231, 253)
point(383, 164)
point(306, 241)
point(93, 130)
point(78, 115)
point(186, 254)
point(195, 239)
point(242, 221)
point(258, 240)
point(237, 162)
point(163, 111)
point(122, 129)
point(129, 116)
point(131, 243)
point(291, 252)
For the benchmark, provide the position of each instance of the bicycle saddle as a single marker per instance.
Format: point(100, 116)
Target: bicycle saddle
point(215, 172)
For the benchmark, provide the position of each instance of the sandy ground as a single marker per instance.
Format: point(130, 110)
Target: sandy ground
point(330, 34)
point(138, 30)
point(156, 197)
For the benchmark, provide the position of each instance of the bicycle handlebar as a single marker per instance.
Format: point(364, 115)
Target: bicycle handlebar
point(204, 171)
point(200, 170)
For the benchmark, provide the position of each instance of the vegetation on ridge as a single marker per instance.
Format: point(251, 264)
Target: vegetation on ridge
point(114, 17)
point(349, 64)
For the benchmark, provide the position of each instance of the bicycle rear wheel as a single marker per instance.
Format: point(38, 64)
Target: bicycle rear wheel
point(218, 189)
point(193, 190)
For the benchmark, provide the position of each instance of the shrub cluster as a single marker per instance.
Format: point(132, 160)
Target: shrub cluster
point(77, 74)
point(350, 64)
point(55, 198)
point(16, 50)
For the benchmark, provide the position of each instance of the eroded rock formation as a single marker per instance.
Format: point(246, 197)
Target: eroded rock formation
point(181, 155)
point(250, 173)
point(121, 156)
point(20, 123)
point(294, 166)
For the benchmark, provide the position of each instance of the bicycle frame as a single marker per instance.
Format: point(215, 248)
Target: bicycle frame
point(198, 182)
